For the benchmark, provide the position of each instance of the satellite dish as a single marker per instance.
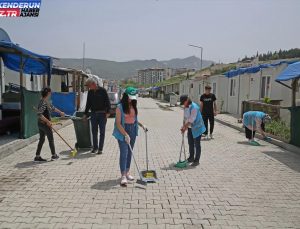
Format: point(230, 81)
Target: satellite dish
point(4, 36)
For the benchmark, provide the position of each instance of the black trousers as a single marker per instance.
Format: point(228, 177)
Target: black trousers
point(248, 132)
point(194, 143)
point(45, 131)
point(211, 119)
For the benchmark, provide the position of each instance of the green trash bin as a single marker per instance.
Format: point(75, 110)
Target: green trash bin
point(295, 125)
point(82, 131)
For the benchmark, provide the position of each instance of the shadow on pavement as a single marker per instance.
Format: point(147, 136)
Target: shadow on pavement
point(172, 167)
point(29, 164)
point(106, 185)
point(80, 155)
point(248, 144)
point(291, 160)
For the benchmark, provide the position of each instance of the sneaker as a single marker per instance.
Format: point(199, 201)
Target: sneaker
point(39, 159)
point(94, 151)
point(190, 159)
point(54, 157)
point(123, 181)
point(195, 163)
point(130, 178)
point(100, 151)
point(204, 135)
point(211, 136)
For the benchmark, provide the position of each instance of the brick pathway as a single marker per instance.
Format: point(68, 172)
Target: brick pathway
point(236, 185)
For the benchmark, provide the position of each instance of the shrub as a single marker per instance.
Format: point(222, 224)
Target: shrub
point(279, 129)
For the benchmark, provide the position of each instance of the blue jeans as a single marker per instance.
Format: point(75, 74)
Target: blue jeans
point(194, 143)
point(98, 120)
point(125, 153)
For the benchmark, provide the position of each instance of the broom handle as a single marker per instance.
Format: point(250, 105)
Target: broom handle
point(182, 146)
point(252, 131)
point(137, 167)
point(147, 159)
point(61, 137)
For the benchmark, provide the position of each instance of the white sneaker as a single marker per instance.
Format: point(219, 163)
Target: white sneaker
point(129, 177)
point(211, 136)
point(124, 180)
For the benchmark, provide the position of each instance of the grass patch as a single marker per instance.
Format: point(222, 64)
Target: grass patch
point(279, 128)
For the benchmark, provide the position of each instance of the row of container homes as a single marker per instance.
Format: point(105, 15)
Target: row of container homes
point(232, 91)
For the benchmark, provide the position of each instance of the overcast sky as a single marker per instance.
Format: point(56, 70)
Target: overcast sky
point(124, 30)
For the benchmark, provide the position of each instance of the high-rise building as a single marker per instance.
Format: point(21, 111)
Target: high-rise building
point(151, 75)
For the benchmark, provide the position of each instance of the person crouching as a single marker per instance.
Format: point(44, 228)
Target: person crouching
point(255, 121)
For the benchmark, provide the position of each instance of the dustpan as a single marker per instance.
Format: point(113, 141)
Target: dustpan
point(254, 143)
point(149, 176)
point(182, 163)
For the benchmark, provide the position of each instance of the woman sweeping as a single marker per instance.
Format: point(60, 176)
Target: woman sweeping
point(126, 130)
point(255, 121)
point(44, 124)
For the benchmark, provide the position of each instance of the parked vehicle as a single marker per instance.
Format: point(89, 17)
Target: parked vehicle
point(114, 101)
point(167, 96)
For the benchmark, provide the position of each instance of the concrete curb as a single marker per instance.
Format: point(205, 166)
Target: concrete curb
point(14, 146)
point(276, 142)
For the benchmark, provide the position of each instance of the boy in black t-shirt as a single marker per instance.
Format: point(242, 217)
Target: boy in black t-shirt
point(208, 110)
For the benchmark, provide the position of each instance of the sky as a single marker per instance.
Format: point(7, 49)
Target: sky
point(123, 30)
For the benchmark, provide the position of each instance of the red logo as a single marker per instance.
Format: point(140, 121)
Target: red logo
point(10, 12)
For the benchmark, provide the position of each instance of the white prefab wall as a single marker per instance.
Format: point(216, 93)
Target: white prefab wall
point(14, 77)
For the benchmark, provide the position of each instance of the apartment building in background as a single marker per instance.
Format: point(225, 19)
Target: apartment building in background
point(151, 75)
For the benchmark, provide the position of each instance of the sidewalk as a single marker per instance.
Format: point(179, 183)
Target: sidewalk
point(11, 144)
point(232, 121)
point(235, 186)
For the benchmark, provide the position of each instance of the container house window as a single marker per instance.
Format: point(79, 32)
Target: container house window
point(214, 88)
point(265, 87)
point(232, 87)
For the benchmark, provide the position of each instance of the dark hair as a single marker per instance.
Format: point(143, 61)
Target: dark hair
point(45, 91)
point(125, 104)
point(207, 87)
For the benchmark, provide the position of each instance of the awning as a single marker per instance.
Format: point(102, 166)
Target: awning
point(19, 59)
point(291, 72)
point(254, 69)
point(56, 70)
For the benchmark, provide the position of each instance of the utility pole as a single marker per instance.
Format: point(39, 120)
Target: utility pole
point(199, 47)
point(83, 56)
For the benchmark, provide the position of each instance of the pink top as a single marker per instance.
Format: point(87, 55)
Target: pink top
point(130, 118)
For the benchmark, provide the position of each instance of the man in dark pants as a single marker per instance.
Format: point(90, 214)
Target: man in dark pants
point(99, 104)
point(208, 110)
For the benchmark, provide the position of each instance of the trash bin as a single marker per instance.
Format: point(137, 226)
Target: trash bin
point(82, 131)
point(295, 124)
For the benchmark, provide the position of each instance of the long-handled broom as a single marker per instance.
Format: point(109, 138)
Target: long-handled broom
point(253, 142)
point(140, 181)
point(73, 151)
point(182, 164)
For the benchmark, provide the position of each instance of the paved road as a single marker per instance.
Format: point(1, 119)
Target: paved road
point(236, 185)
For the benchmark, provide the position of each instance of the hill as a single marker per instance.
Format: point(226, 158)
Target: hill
point(122, 70)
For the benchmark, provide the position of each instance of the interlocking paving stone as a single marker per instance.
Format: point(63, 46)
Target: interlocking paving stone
point(235, 186)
